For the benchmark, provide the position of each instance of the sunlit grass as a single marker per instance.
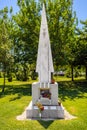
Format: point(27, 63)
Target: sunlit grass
point(64, 78)
point(17, 97)
point(16, 82)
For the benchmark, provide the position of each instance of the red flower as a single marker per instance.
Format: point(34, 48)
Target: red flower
point(52, 81)
point(42, 108)
point(59, 103)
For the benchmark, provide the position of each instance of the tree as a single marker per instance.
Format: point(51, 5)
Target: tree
point(5, 43)
point(60, 20)
point(62, 23)
point(81, 56)
point(26, 34)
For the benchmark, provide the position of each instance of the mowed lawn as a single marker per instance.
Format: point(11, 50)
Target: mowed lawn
point(18, 95)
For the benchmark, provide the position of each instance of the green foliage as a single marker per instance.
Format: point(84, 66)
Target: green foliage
point(6, 58)
point(76, 72)
point(26, 37)
point(68, 73)
point(81, 52)
point(20, 34)
point(33, 73)
point(61, 21)
point(61, 24)
point(22, 72)
point(82, 45)
point(28, 32)
point(1, 74)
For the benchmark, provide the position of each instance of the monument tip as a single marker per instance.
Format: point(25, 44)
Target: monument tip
point(44, 65)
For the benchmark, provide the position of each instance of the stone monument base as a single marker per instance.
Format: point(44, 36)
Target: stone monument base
point(37, 97)
point(50, 112)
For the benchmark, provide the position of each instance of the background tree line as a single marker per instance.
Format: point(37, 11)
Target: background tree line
point(19, 37)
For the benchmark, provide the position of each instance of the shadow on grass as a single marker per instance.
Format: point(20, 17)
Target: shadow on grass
point(20, 90)
point(75, 89)
point(45, 124)
point(66, 89)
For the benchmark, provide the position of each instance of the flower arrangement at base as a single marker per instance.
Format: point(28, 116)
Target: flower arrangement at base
point(52, 81)
point(45, 94)
point(40, 106)
point(59, 102)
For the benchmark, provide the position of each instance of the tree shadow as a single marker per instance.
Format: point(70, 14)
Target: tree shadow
point(15, 98)
point(20, 90)
point(75, 89)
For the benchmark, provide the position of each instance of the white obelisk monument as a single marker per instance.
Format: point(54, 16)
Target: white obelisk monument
point(41, 89)
point(44, 65)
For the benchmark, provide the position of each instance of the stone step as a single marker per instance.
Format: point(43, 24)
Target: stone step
point(48, 112)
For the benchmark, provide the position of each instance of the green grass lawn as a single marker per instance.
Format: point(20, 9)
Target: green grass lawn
point(18, 95)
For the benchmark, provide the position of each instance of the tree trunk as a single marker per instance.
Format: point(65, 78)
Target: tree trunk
point(25, 75)
point(72, 76)
point(3, 87)
point(86, 72)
